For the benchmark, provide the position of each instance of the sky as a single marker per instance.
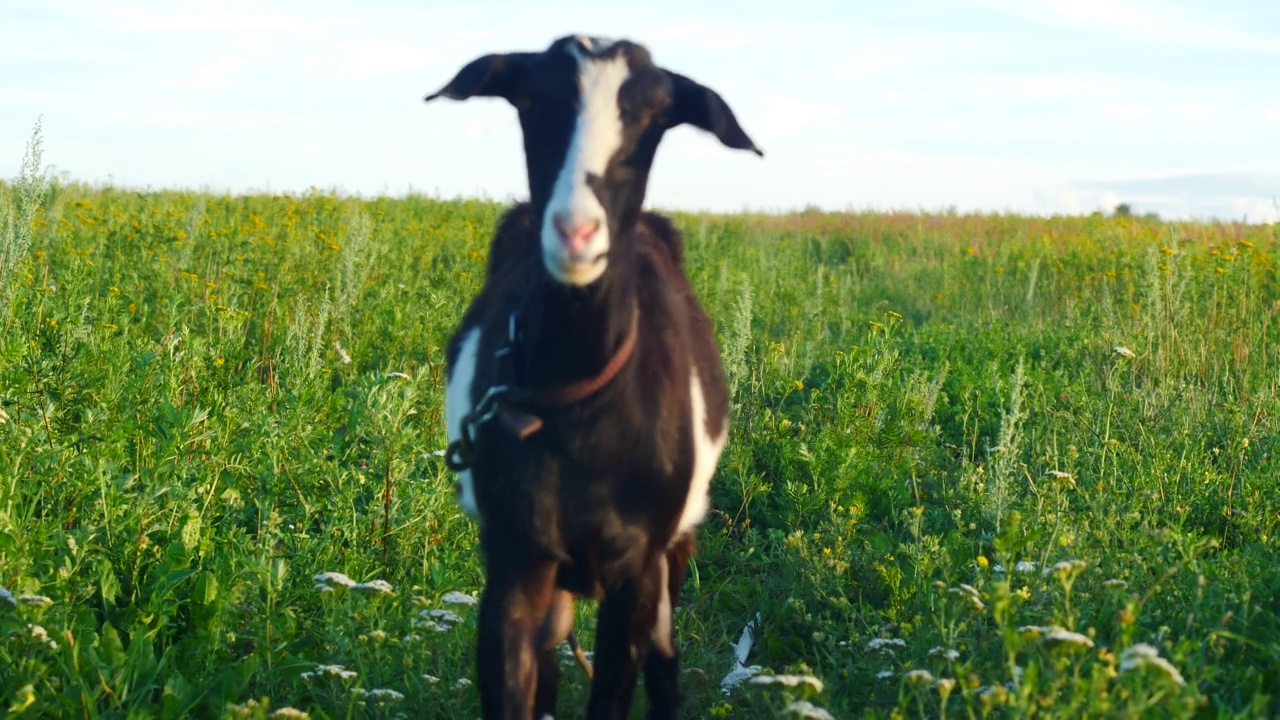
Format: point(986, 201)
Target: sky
point(1027, 106)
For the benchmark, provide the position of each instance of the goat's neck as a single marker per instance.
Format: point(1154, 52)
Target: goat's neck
point(574, 332)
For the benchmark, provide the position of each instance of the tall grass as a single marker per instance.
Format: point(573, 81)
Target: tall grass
point(946, 491)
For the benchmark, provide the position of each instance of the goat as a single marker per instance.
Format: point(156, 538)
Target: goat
point(585, 404)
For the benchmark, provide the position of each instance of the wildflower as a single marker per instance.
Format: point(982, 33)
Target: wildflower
point(1115, 584)
point(999, 568)
point(918, 678)
point(886, 645)
point(378, 636)
point(398, 375)
point(806, 709)
point(331, 670)
point(462, 683)
point(454, 597)
point(7, 597)
point(342, 354)
point(947, 653)
point(983, 562)
point(1025, 566)
point(789, 681)
point(431, 679)
point(442, 616)
point(332, 580)
point(385, 695)
point(289, 713)
point(1143, 655)
point(884, 674)
point(36, 601)
point(411, 638)
point(945, 685)
point(1066, 570)
point(1059, 475)
point(970, 595)
point(1123, 351)
point(38, 633)
point(1061, 638)
point(379, 587)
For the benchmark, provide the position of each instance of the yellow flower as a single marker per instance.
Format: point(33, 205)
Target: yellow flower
point(219, 362)
point(798, 385)
point(983, 562)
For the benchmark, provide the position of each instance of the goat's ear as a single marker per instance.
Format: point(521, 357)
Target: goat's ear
point(490, 76)
point(702, 107)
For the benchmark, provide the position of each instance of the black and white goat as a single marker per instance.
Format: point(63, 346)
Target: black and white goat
point(586, 408)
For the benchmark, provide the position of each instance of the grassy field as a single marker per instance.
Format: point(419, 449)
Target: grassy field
point(980, 465)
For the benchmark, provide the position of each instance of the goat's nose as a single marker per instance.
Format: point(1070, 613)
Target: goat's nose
point(575, 234)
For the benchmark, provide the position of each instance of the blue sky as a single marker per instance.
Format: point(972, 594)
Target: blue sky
point(1036, 106)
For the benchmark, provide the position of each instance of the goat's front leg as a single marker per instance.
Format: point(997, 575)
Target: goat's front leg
point(512, 608)
point(623, 632)
point(662, 667)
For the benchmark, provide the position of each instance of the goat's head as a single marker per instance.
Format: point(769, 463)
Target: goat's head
point(593, 112)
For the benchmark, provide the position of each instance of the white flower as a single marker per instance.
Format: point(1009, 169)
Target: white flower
point(1123, 351)
point(1059, 475)
point(945, 685)
point(1143, 655)
point(442, 616)
point(290, 713)
point(431, 679)
point(885, 645)
point(1025, 566)
point(970, 595)
point(332, 670)
point(884, 674)
point(918, 677)
point(385, 695)
point(1115, 584)
point(947, 653)
point(1034, 632)
point(998, 568)
point(806, 709)
point(398, 375)
point(38, 601)
point(332, 580)
point(462, 683)
point(789, 681)
point(378, 587)
point(7, 597)
point(38, 633)
point(1067, 639)
point(1065, 569)
point(453, 597)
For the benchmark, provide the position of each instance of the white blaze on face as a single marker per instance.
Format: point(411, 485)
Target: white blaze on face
point(457, 403)
point(706, 453)
point(597, 135)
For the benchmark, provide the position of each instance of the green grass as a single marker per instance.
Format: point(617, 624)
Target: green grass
point(918, 400)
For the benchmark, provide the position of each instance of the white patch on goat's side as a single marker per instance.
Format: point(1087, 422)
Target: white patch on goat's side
point(661, 637)
point(706, 453)
point(457, 403)
point(597, 135)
